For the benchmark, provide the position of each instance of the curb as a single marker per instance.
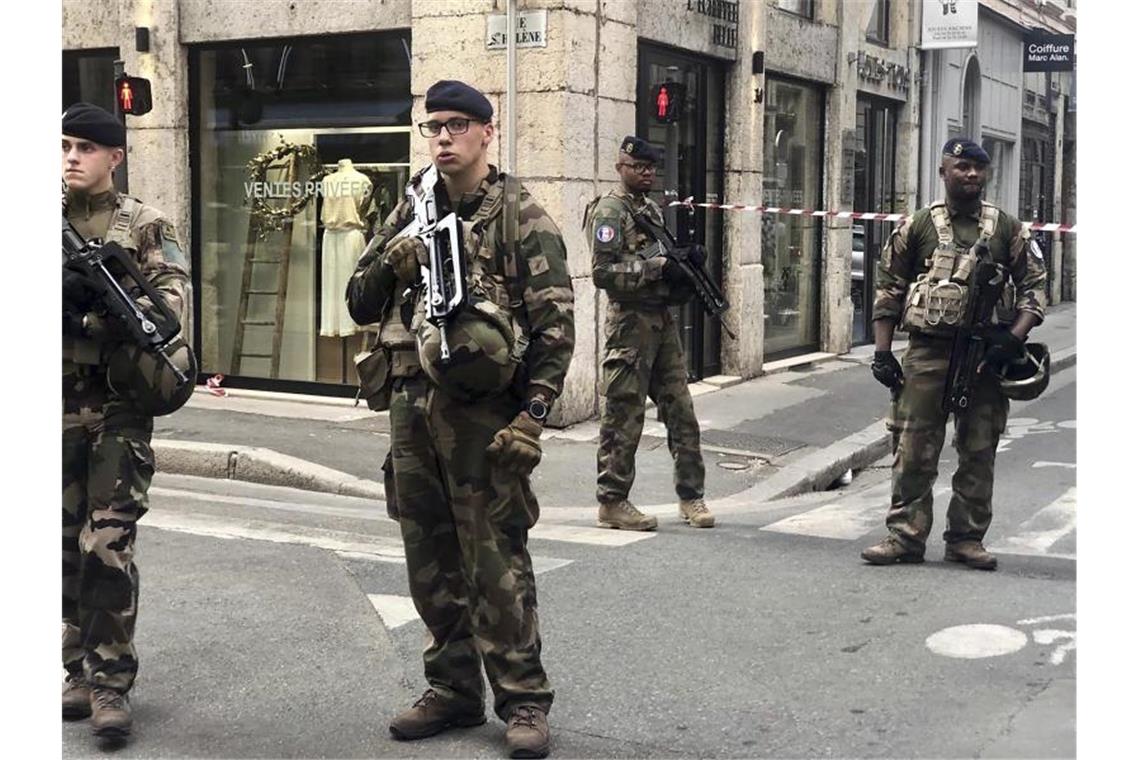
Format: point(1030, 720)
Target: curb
point(258, 465)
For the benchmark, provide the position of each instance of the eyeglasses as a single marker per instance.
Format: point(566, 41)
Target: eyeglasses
point(455, 126)
point(640, 168)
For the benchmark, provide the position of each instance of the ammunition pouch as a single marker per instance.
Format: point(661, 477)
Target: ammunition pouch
point(376, 370)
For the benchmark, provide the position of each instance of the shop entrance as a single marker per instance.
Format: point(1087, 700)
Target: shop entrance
point(875, 131)
point(694, 166)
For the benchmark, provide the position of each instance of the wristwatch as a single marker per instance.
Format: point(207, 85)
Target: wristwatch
point(537, 408)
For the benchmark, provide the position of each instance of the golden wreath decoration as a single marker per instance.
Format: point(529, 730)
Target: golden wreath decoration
point(269, 218)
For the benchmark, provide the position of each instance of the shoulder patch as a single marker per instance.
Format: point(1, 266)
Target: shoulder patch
point(538, 265)
point(605, 233)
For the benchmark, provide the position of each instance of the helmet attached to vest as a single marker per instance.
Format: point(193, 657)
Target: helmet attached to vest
point(1027, 379)
point(481, 343)
point(147, 382)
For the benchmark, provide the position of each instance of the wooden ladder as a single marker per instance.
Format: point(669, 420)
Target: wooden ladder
point(282, 264)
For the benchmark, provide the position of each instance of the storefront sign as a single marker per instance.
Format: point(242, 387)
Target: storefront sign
point(725, 15)
point(1048, 52)
point(530, 31)
point(874, 69)
point(949, 24)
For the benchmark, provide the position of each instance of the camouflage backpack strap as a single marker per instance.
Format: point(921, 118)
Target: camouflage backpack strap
point(120, 229)
point(512, 197)
point(940, 217)
point(989, 221)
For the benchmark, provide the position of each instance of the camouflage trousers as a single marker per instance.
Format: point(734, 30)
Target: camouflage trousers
point(920, 425)
point(107, 469)
point(464, 525)
point(644, 357)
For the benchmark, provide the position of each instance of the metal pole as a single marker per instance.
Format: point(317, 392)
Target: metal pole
point(120, 177)
point(511, 122)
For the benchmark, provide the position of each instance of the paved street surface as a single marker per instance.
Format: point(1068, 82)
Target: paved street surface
point(276, 623)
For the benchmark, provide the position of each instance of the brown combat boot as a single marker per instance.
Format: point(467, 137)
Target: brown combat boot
point(76, 697)
point(110, 713)
point(696, 514)
point(972, 553)
point(528, 734)
point(624, 516)
point(429, 715)
point(889, 551)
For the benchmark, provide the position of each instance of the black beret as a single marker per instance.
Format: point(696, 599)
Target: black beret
point(94, 124)
point(635, 147)
point(450, 95)
point(965, 149)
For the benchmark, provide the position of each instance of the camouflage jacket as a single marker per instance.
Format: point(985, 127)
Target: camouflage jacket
point(153, 241)
point(616, 239)
point(548, 298)
point(911, 245)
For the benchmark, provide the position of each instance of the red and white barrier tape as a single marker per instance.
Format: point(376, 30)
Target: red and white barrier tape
point(854, 215)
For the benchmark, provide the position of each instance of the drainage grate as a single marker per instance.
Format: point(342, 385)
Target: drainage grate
point(768, 446)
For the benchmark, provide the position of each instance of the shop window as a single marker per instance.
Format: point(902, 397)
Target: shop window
point(805, 8)
point(790, 250)
point(878, 30)
point(89, 77)
point(301, 145)
point(1000, 152)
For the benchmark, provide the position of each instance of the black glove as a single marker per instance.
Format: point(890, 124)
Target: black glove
point(697, 255)
point(1003, 347)
point(78, 291)
point(672, 273)
point(73, 324)
point(887, 370)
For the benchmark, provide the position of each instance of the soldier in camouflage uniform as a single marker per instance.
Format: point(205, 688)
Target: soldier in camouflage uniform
point(107, 458)
point(465, 433)
point(907, 275)
point(643, 347)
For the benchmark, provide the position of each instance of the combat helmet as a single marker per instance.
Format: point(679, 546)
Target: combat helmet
point(144, 379)
point(481, 344)
point(1026, 379)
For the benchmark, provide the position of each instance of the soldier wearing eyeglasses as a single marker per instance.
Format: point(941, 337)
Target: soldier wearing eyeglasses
point(643, 354)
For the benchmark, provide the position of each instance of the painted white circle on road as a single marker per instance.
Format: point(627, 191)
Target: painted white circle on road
point(972, 642)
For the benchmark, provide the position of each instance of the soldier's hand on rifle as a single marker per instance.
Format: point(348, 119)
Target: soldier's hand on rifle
point(887, 370)
point(78, 291)
point(673, 273)
point(404, 255)
point(1003, 347)
point(697, 255)
point(516, 447)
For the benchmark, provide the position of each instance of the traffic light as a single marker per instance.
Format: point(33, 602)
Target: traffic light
point(132, 94)
point(668, 101)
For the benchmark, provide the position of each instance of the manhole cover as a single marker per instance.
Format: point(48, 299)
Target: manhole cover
point(733, 465)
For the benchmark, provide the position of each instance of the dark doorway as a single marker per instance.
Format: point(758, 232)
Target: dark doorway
point(694, 148)
point(875, 128)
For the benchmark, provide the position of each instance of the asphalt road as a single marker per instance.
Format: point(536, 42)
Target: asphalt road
point(275, 623)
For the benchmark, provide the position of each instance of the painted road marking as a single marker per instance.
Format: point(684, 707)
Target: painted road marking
point(976, 641)
point(1066, 465)
point(394, 611)
point(844, 520)
point(1044, 528)
point(580, 534)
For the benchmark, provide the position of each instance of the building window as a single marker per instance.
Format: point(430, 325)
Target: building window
point(337, 109)
point(89, 77)
point(879, 28)
point(1000, 152)
point(790, 245)
point(805, 8)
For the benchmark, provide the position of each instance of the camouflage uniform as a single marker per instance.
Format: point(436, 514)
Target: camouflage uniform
point(643, 351)
point(918, 419)
point(465, 522)
point(107, 458)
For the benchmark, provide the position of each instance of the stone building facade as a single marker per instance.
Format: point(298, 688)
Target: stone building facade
point(794, 103)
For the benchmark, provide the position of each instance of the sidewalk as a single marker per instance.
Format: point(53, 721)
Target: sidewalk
point(775, 436)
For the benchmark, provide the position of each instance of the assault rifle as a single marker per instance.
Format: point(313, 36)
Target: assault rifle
point(153, 329)
point(713, 301)
point(445, 276)
point(983, 291)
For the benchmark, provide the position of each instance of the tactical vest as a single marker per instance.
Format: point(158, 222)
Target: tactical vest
point(85, 351)
point(937, 301)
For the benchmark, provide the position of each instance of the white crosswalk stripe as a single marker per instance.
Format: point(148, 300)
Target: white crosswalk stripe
point(1045, 528)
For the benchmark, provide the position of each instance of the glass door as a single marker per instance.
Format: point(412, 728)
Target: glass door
point(875, 122)
point(694, 166)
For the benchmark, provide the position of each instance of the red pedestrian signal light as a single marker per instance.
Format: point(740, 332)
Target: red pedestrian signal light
point(668, 101)
point(132, 95)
